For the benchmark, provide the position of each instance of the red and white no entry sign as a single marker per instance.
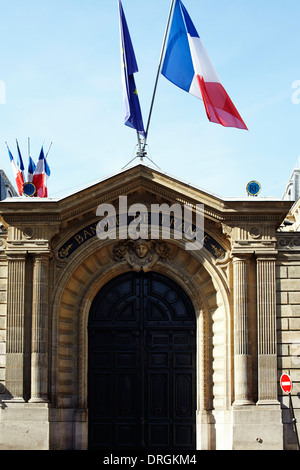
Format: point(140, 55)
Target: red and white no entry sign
point(286, 383)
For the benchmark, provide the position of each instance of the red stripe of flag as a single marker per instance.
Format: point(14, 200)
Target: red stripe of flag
point(218, 105)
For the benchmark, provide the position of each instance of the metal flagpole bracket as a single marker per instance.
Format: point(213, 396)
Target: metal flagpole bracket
point(141, 154)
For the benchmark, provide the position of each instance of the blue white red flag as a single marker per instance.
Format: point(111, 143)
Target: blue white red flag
point(41, 173)
point(132, 109)
point(188, 66)
point(18, 171)
point(31, 170)
point(20, 161)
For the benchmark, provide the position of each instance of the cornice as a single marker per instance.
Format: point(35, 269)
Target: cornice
point(27, 219)
point(161, 185)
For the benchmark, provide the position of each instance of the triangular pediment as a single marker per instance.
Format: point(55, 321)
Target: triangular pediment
point(141, 184)
point(146, 185)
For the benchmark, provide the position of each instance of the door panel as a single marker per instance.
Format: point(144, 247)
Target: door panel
point(142, 351)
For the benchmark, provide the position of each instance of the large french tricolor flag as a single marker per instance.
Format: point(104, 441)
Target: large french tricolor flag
point(41, 173)
point(187, 65)
point(17, 168)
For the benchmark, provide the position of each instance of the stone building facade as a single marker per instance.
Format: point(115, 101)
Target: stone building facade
point(210, 331)
point(6, 188)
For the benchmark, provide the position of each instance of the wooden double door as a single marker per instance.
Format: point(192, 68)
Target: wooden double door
point(142, 365)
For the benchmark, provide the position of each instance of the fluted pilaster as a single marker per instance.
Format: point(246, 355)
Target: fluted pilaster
point(242, 356)
point(15, 347)
point(39, 342)
point(266, 325)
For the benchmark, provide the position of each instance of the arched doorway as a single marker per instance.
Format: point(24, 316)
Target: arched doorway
point(142, 365)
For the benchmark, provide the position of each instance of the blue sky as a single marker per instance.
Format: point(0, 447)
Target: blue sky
point(60, 65)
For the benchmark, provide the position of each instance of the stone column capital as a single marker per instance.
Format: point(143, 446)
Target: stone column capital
point(16, 255)
point(265, 257)
point(238, 256)
point(42, 257)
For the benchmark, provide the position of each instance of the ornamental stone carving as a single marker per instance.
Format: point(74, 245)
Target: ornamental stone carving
point(28, 233)
point(141, 255)
point(288, 242)
point(255, 232)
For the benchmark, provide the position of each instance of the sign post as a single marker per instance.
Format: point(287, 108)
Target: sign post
point(286, 385)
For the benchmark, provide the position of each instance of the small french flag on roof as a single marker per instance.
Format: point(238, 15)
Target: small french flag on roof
point(41, 173)
point(18, 169)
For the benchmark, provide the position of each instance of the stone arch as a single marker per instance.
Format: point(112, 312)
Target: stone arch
point(200, 278)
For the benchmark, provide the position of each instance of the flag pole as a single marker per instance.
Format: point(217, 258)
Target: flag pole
point(49, 150)
point(140, 153)
point(158, 71)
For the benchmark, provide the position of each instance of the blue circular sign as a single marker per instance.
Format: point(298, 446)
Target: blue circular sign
point(29, 189)
point(253, 188)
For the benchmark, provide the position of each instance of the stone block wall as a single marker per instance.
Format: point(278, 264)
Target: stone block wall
point(288, 333)
point(3, 282)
